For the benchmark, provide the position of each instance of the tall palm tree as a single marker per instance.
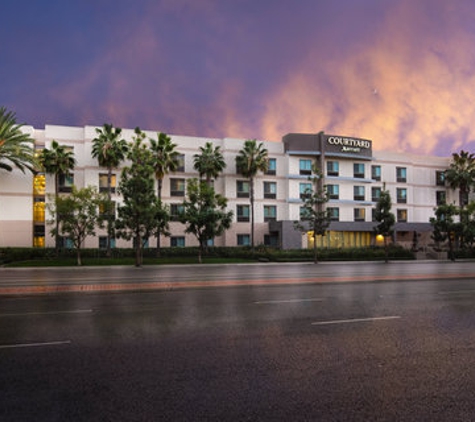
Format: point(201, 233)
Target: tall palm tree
point(110, 150)
point(210, 162)
point(58, 161)
point(16, 148)
point(251, 159)
point(165, 160)
point(461, 175)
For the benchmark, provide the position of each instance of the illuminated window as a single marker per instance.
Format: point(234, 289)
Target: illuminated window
point(103, 209)
point(39, 185)
point(402, 216)
point(177, 187)
point(359, 214)
point(39, 211)
point(103, 182)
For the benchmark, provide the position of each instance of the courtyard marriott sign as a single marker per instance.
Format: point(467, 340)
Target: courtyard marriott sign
point(347, 145)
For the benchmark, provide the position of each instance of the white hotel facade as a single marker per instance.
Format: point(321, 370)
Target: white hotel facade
point(353, 173)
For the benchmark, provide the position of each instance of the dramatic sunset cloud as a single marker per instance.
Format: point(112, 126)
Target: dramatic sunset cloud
point(399, 72)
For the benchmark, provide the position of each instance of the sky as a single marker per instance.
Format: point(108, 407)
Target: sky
point(398, 72)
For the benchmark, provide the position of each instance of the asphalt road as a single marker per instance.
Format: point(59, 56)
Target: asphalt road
point(336, 342)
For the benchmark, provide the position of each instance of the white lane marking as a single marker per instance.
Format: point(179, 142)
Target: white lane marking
point(456, 292)
point(79, 311)
point(49, 343)
point(348, 321)
point(266, 302)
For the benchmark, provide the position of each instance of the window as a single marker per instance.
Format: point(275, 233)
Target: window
point(39, 185)
point(440, 178)
point(103, 242)
point(272, 166)
point(103, 182)
point(39, 210)
point(401, 174)
point(271, 239)
point(103, 211)
point(373, 214)
point(441, 197)
point(304, 212)
point(177, 187)
point(376, 172)
point(305, 190)
point(334, 213)
point(65, 242)
point(305, 167)
point(358, 170)
point(402, 216)
point(401, 195)
point(359, 214)
point(177, 241)
point(145, 243)
point(270, 213)
point(242, 189)
point(333, 191)
point(358, 193)
point(270, 190)
point(66, 182)
point(243, 240)
point(181, 163)
point(243, 213)
point(375, 194)
point(175, 211)
point(333, 168)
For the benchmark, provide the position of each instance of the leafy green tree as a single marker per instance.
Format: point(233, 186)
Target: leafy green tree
point(252, 159)
point(385, 219)
point(110, 150)
point(78, 216)
point(58, 161)
point(209, 162)
point(138, 215)
point(461, 175)
point(314, 215)
point(204, 213)
point(165, 160)
point(16, 148)
point(444, 225)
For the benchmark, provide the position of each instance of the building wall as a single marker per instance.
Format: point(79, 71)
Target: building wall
point(16, 203)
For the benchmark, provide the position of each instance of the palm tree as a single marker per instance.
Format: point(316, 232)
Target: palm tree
point(16, 148)
point(110, 150)
point(461, 175)
point(165, 160)
point(209, 163)
point(58, 161)
point(249, 161)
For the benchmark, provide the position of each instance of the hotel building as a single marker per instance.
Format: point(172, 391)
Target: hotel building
point(353, 172)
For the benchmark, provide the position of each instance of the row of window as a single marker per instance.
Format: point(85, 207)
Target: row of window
point(175, 241)
point(359, 214)
point(359, 172)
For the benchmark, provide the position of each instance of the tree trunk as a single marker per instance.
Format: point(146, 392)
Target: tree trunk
point(159, 196)
point(109, 216)
point(386, 252)
point(78, 257)
point(56, 195)
point(252, 212)
point(315, 257)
